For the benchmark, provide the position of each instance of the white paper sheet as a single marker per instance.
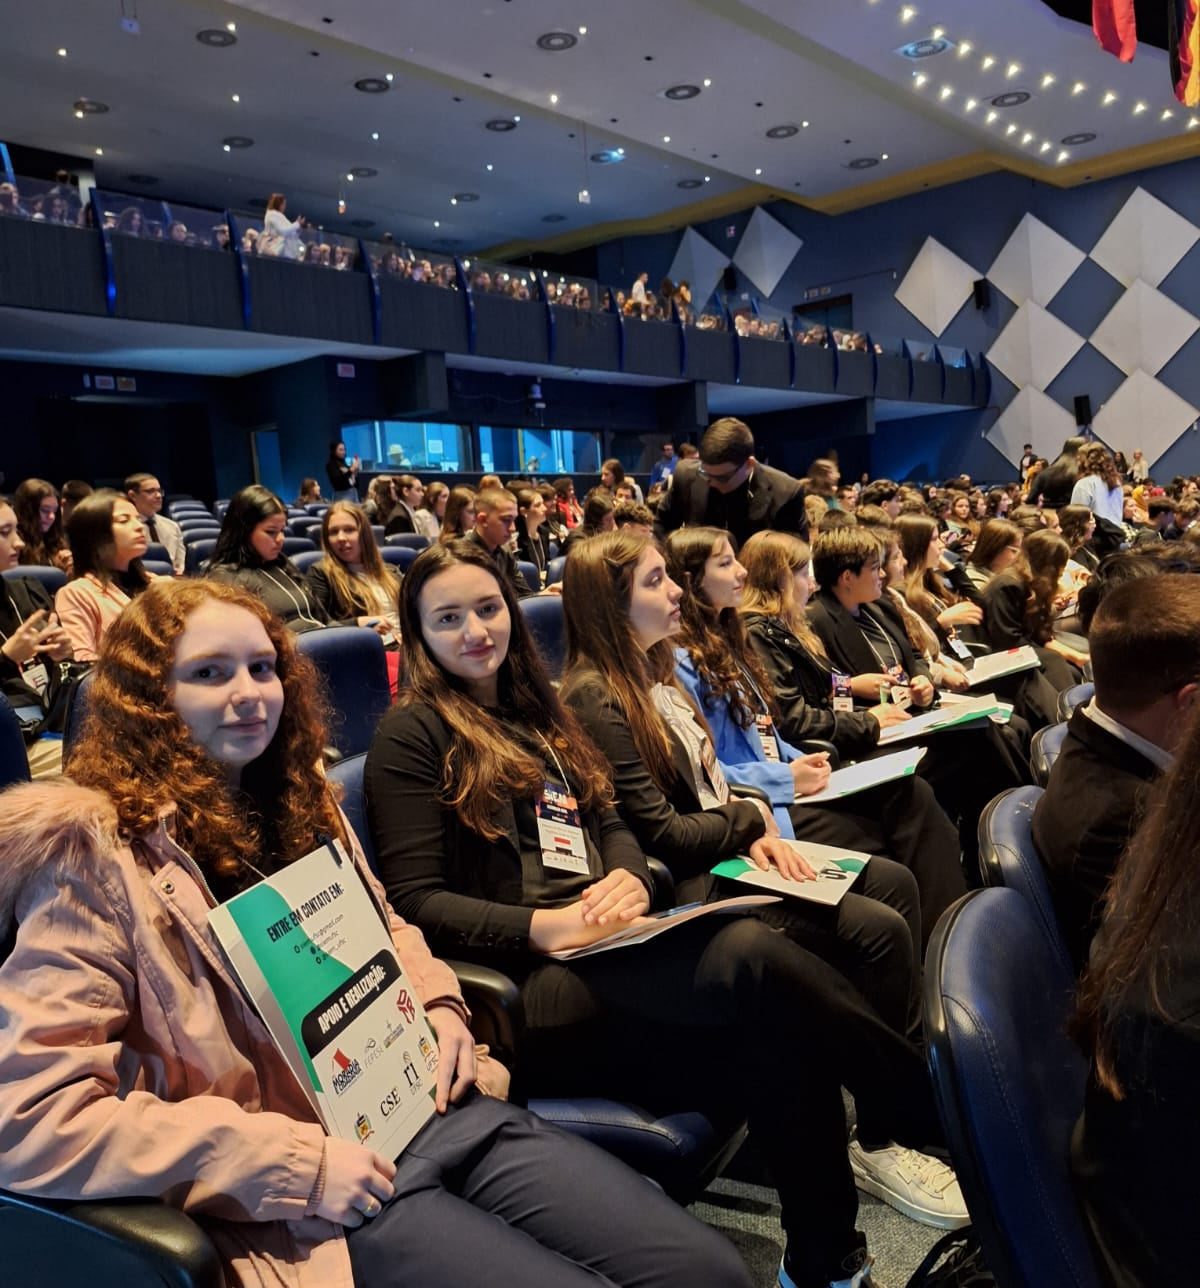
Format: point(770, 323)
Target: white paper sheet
point(867, 773)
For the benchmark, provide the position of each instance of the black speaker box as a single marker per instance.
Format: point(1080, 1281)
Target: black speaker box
point(1083, 409)
point(729, 278)
point(982, 292)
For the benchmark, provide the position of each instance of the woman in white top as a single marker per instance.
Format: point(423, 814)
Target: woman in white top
point(352, 583)
point(1098, 485)
point(280, 236)
point(107, 543)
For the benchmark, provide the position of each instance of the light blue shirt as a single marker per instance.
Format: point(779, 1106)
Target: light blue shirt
point(1104, 502)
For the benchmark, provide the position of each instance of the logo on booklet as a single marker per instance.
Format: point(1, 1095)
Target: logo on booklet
point(406, 1006)
point(362, 1127)
point(345, 1071)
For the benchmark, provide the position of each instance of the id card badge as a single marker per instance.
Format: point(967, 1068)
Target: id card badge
point(900, 693)
point(959, 649)
point(560, 832)
point(843, 698)
point(713, 771)
point(765, 728)
point(36, 676)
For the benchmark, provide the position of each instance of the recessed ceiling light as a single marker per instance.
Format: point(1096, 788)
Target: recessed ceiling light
point(437, 223)
point(1011, 128)
point(883, 156)
point(680, 93)
point(919, 79)
point(454, 201)
point(237, 98)
point(1076, 140)
point(804, 125)
point(89, 107)
point(1078, 88)
point(1193, 122)
point(907, 13)
point(938, 32)
point(1014, 98)
point(1062, 156)
point(99, 152)
point(500, 125)
point(945, 92)
point(862, 163)
point(708, 178)
point(991, 116)
point(372, 85)
point(971, 104)
point(489, 167)
point(466, 196)
point(553, 98)
point(389, 77)
point(1166, 114)
point(238, 141)
point(375, 135)
point(231, 26)
point(666, 138)
point(555, 42)
point(1048, 80)
point(690, 183)
point(583, 31)
point(517, 119)
point(1026, 138)
point(62, 53)
point(1139, 108)
point(759, 170)
point(1013, 69)
point(350, 176)
point(214, 38)
point(964, 48)
point(1046, 146)
point(227, 148)
point(1110, 97)
point(782, 131)
point(708, 82)
point(988, 62)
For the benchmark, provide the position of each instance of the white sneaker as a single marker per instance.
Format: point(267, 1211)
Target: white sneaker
point(921, 1187)
point(862, 1277)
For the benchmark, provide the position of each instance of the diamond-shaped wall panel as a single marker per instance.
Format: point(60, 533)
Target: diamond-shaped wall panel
point(766, 250)
point(699, 263)
point(936, 286)
point(1035, 263)
point(1031, 417)
point(1034, 347)
point(1146, 414)
point(1144, 330)
point(1146, 239)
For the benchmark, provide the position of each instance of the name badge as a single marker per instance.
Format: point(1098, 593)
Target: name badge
point(712, 770)
point(36, 676)
point(843, 697)
point(959, 649)
point(765, 728)
point(560, 832)
point(899, 693)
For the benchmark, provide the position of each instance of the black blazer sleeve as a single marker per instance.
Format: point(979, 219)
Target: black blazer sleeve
point(689, 842)
point(320, 589)
point(29, 596)
point(1004, 613)
point(673, 509)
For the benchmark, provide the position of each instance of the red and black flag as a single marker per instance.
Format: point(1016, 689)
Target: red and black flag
point(1115, 25)
point(1183, 24)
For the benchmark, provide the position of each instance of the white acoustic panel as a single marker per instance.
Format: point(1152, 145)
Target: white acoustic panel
point(1144, 330)
point(699, 263)
point(1034, 347)
point(1144, 413)
point(766, 250)
point(1031, 417)
point(1035, 263)
point(1146, 239)
point(936, 286)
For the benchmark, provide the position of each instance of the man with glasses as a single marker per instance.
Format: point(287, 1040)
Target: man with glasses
point(727, 488)
point(146, 494)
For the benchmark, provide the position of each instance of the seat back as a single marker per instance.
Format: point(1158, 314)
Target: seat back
point(198, 553)
point(304, 559)
point(554, 570)
point(159, 567)
point(1010, 1085)
point(529, 574)
point(1043, 751)
point(14, 763)
point(77, 705)
point(1008, 859)
point(352, 661)
point(201, 532)
point(1074, 697)
point(53, 579)
point(294, 545)
point(400, 556)
point(348, 775)
point(155, 550)
point(544, 616)
point(413, 540)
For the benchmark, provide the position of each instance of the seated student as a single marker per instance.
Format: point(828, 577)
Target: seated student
point(41, 525)
point(455, 780)
point(32, 642)
point(495, 525)
point(107, 544)
point(458, 518)
point(717, 667)
point(249, 554)
point(409, 491)
point(883, 493)
point(138, 1066)
point(1019, 606)
point(629, 514)
point(997, 547)
point(432, 510)
point(145, 494)
point(533, 543)
point(865, 639)
point(599, 515)
point(937, 589)
point(1136, 1021)
point(1145, 640)
point(381, 499)
point(310, 494)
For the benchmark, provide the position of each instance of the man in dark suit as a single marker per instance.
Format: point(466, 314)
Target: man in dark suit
point(727, 488)
point(495, 523)
point(1145, 650)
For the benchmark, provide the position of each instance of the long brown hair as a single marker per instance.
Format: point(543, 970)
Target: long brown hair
point(715, 639)
point(994, 538)
point(772, 560)
point(1043, 558)
point(597, 588)
point(922, 589)
point(1095, 458)
point(40, 547)
point(347, 588)
point(484, 768)
point(137, 751)
point(1152, 907)
point(460, 498)
point(381, 493)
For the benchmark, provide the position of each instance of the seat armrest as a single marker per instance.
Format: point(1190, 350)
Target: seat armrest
point(664, 885)
point(810, 746)
point(747, 792)
point(497, 1012)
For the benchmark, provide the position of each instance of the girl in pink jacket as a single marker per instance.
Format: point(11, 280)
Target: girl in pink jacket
point(132, 1063)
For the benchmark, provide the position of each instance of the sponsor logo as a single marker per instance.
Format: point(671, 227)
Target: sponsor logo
point(345, 1071)
point(393, 1034)
point(362, 1127)
point(390, 1102)
point(406, 1006)
point(429, 1054)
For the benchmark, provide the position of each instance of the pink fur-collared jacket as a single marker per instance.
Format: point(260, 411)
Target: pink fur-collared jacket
point(132, 1064)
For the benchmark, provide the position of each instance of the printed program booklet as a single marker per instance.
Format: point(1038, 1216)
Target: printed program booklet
point(941, 718)
point(866, 774)
point(837, 870)
point(312, 950)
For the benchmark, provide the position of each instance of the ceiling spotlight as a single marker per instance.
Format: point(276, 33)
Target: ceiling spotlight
point(231, 26)
point(372, 85)
point(375, 135)
point(708, 82)
point(1139, 108)
point(62, 53)
point(517, 119)
point(988, 62)
point(437, 223)
point(964, 48)
point(1026, 138)
point(945, 92)
point(99, 152)
point(389, 77)
point(1011, 128)
point(489, 167)
point(991, 116)
point(758, 170)
point(225, 147)
point(708, 178)
point(1078, 88)
point(237, 98)
point(556, 42)
point(214, 38)
point(1048, 80)
point(971, 104)
point(1046, 146)
point(938, 33)
point(583, 31)
point(454, 201)
point(78, 115)
point(1110, 97)
point(350, 175)
point(666, 138)
point(907, 13)
point(553, 98)
point(883, 156)
point(1193, 122)
point(1167, 114)
point(919, 79)
point(1062, 156)
point(804, 125)
point(1012, 70)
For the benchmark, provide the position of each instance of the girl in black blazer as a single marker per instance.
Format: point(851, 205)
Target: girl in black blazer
point(467, 784)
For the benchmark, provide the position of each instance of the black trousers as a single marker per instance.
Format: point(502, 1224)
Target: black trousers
point(728, 1014)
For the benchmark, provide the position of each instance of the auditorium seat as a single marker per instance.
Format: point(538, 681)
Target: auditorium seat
point(351, 660)
point(1074, 697)
point(294, 545)
point(198, 554)
point(554, 570)
point(1044, 749)
point(529, 574)
point(304, 559)
point(544, 616)
point(14, 762)
point(53, 579)
point(400, 556)
point(413, 540)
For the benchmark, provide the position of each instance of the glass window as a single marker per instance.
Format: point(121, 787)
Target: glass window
point(538, 451)
point(409, 444)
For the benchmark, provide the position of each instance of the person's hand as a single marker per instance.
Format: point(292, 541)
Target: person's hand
point(922, 691)
point(620, 896)
point(867, 684)
point(377, 624)
point(963, 613)
point(553, 589)
point(954, 677)
point(456, 1056)
point(62, 560)
point(358, 1182)
point(553, 930)
point(772, 828)
point(37, 635)
point(888, 714)
point(810, 774)
point(792, 865)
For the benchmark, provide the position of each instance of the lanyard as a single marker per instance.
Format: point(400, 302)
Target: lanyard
point(557, 764)
point(864, 618)
point(304, 617)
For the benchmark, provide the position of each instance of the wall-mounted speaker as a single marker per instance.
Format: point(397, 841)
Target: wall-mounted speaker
point(729, 278)
point(1083, 409)
point(982, 292)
